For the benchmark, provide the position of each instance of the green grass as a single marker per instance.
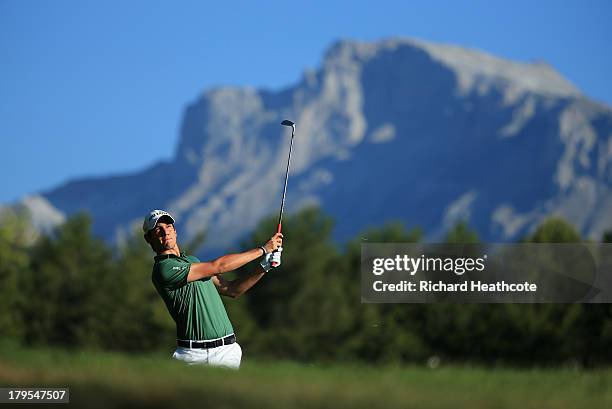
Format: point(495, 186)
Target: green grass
point(105, 380)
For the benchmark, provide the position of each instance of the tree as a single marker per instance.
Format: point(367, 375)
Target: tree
point(561, 332)
point(14, 263)
point(64, 294)
point(555, 230)
point(460, 233)
point(396, 326)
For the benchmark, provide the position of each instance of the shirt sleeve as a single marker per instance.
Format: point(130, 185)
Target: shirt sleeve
point(172, 273)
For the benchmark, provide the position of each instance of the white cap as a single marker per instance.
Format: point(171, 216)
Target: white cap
point(150, 220)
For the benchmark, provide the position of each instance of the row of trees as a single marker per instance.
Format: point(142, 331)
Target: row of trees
point(72, 289)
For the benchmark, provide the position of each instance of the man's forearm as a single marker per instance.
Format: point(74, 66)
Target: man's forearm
point(241, 284)
point(231, 262)
point(222, 264)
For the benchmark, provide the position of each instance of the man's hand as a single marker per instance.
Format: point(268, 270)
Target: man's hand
point(274, 243)
point(270, 258)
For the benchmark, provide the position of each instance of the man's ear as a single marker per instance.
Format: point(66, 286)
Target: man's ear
point(146, 237)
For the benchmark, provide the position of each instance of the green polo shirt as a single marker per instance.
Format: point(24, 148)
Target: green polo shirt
point(196, 307)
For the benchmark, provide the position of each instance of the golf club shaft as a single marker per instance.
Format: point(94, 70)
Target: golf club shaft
point(280, 216)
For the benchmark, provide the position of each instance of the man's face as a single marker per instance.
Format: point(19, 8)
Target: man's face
point(162, 237)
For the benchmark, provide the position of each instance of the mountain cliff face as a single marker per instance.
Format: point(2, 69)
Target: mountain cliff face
point(398, 129)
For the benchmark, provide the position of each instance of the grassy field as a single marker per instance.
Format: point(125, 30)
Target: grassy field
point(104, 380)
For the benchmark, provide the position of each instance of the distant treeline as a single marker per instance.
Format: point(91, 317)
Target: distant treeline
point(72, 289)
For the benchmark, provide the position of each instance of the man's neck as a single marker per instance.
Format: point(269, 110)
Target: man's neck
point(176, 251)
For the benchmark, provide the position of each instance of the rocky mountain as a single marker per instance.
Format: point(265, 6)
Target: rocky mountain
point(393, 130)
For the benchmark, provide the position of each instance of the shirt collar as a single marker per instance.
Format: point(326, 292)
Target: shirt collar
point(160, 257)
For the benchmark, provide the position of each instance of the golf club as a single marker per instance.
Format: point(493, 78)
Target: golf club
point(286, 122)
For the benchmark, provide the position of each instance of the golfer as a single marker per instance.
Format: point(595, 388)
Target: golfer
point(191, 291)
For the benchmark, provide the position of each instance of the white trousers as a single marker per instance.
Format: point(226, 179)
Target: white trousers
point(227, 356)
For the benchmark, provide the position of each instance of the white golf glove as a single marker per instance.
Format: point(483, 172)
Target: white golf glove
point(275, 260)
point(271, 260)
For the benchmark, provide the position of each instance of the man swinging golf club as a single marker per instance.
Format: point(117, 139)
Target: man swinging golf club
point(191, 288)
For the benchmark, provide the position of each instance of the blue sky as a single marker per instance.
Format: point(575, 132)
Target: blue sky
point(97, 88)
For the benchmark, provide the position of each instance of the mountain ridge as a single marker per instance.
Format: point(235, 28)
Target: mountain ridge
point(434, 111)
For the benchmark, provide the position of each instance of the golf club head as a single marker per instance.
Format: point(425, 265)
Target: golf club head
point(287, 122)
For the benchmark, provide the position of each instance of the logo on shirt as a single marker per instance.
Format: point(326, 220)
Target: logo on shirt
point(177, 268)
